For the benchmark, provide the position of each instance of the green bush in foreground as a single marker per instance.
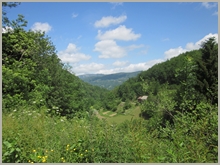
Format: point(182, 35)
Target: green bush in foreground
point(31, 136)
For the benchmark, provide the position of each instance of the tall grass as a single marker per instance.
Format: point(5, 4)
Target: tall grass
point(29, 135)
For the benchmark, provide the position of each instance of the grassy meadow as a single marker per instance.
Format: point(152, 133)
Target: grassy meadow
point(32, 136)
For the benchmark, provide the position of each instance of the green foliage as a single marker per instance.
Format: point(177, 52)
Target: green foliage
point(192, 139)
point(32, 72)
point(127, 105)
point(207, 73)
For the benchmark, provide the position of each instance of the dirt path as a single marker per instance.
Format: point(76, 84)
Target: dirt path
point(113, 114)
point(99, 116)
point(106, 112)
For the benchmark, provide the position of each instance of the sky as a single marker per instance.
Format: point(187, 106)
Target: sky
point(106, 38)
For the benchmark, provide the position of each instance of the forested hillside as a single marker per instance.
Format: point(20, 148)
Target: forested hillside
point(109, 81)
point(33, 74)
point(49, 115)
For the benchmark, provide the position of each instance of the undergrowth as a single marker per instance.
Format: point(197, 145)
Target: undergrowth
point(31, 136)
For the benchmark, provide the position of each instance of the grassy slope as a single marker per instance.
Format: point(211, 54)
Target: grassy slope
point(119, 118)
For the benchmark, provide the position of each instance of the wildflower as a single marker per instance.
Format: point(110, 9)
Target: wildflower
point(15, 110)
point(41, 100)
point(51, 150)
point(44, 160)
point(62, 158)
point(34, 102)
point(74, 149)
point(34, 150)
point(32, 162)
point(39, 156)
point(61, 120)
point(29, 114)
point(29, 161)
point(46, 151)
point(67, 145)
point(81, 154)
point(86, 150)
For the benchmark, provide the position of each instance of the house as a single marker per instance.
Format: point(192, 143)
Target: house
point(142, 98)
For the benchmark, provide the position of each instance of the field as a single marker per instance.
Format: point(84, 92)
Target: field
point(114, 117)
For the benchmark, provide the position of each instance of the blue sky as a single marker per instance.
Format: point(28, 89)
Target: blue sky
point(120, 37)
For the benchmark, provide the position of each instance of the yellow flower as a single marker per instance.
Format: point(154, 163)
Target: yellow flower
point(74, 149)
point(51, 150)
point(86, 150)
point(67, 149)
point(62, 158)
point(67, 145)
point(34, 150)
point(81, 154)
point(29, 161)
point(46, 151)
point(63, 161)
point(32, 162)
point(46, 156)
point(39, 156)
point(44, 160)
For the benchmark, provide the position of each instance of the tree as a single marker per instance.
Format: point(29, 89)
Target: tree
point(207, 73)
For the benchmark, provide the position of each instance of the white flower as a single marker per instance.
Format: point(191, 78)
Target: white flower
point(30, 114)
point(41, 100)
point(61, 120)
point(34, 102)
point(15, 110)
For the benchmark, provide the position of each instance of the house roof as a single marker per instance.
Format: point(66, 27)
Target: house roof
point(142, 97)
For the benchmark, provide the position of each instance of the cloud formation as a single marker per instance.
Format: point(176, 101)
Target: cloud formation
point(115, 4)
point(107, 21)
point(120, 33)
point(209, 5)
point(131, 67)
point(88, 68)
point(6, 29)
point(72, 55)
point(120, 63)
point(44, 27)
point(189, 46)
point(109, 49)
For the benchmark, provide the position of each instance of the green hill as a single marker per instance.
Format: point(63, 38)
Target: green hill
point(107, 81)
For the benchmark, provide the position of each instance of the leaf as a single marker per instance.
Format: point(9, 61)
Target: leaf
point(9, 145)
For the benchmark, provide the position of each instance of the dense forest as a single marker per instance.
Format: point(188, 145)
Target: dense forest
point(53, 113)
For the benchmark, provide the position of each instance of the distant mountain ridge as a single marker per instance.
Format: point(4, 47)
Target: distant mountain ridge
point(109, 81)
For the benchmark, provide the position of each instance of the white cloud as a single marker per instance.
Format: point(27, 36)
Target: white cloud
point(72, 54)
point(107, 21)
point(209, 5)
point(120, 63)
point(38, 26)
point(174, 52)
point(120, 33)
point(6, 29)
point(74, 15)
point(215, 13)
point(115, 4)
point(109, 49)
point(87, 68)
point(189, 46)
point(131, 67)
